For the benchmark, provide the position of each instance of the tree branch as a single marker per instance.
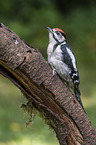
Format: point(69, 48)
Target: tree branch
point(29, 71)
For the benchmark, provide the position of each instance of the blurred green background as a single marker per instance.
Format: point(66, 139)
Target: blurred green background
point(27, 18)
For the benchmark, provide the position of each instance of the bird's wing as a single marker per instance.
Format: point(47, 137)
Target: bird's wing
point(69, 59)
point(66, 58)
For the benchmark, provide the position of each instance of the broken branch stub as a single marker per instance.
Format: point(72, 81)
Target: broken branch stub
point(29, 71)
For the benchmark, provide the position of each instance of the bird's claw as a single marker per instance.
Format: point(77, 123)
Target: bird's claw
point(54, 72)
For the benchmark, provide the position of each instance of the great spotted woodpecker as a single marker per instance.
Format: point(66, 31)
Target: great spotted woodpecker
point(62, 60)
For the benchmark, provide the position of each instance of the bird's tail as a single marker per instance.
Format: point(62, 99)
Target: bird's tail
point(77, 94)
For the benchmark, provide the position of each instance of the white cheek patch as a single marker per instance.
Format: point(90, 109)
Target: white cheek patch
point(60, 38)
point(56, 36)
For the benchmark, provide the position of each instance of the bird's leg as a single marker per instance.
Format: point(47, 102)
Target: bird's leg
point(54, 72)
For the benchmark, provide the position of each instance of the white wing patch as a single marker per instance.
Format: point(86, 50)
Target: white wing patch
point(72, 57)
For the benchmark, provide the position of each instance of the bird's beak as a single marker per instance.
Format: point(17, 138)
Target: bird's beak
point(49, 29)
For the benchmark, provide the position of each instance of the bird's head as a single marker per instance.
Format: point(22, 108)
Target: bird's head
point(56, 35)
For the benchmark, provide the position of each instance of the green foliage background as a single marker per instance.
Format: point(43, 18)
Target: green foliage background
point(27, 18)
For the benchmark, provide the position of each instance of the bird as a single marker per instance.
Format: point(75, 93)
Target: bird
point(62, 60)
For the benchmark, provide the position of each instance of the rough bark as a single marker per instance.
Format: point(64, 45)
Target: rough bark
point(29, 71)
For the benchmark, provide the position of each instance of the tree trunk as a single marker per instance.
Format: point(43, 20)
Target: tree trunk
point(28, 70)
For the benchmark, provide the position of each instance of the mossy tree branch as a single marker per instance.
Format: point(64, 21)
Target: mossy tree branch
point(29, 71)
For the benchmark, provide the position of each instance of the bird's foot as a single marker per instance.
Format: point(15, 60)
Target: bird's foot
point(54, 72)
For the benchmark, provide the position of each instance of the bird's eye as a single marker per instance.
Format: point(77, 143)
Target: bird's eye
point(58, 33)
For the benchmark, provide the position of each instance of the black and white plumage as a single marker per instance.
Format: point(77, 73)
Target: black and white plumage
point(62, 60)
